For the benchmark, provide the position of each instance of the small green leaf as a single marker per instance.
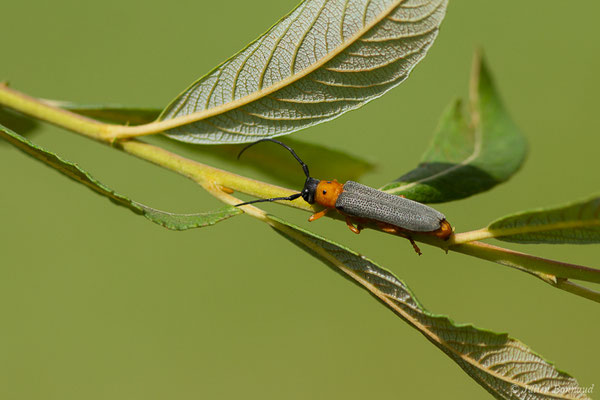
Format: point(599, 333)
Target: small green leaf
point(575, 223)
point(73, 171)
point(466, 158)
point(323, 59)
point(503, 366)
point(182, 222)
point(114, 113)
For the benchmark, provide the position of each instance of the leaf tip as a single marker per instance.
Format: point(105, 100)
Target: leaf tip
point(481, 77)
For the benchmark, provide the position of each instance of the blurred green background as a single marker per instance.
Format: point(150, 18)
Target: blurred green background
point(97, 303)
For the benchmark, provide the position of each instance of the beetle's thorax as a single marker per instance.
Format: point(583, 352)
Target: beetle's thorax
point(327, 193)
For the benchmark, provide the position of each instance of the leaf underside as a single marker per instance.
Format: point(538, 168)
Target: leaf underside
point(576, 223)
point(73, 171)
point(323, 59)
point(467, 155)
point(503, 366)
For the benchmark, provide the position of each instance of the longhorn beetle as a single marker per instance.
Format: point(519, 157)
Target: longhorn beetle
point(361, 205)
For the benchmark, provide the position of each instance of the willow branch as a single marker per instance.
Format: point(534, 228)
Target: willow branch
point(217, 182)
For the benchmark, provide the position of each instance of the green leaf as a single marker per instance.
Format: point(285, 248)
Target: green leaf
point(182, 222)
point(575, 223)
point(467, 155)
point(114, 113)
point(267, 159)
point(73, 171)
point(274, 162)
point(323, 59)
point(503, 366)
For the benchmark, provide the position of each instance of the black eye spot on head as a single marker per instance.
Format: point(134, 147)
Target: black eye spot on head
point(324, 191)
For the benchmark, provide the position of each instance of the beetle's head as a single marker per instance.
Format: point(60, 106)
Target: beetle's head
point(310, 189)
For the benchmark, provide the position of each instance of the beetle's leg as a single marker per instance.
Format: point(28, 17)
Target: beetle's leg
point(391, 229)
point(414, 245)
point(318, 215)
point(351, 226)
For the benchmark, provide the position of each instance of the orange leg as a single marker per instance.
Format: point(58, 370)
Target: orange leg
point(386, 228)
point(355, 229)
point(318, 215)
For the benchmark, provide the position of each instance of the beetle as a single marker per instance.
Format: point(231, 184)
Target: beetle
point(362, 205)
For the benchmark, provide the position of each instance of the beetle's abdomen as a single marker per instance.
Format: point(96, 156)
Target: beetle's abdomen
point(365, 202)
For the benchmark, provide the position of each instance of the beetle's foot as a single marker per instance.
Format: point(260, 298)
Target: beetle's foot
point(318, 215)
point(352, 227)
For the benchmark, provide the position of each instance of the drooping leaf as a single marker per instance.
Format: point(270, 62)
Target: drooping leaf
point(323, 59)
point(73, 171)
point(467, 155)
point(503, 366)
point(575, 223)
point(182, 222)
point(267, 159)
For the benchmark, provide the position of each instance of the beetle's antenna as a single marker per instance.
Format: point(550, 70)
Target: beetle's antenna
point(304, 166)
point(292, 197)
